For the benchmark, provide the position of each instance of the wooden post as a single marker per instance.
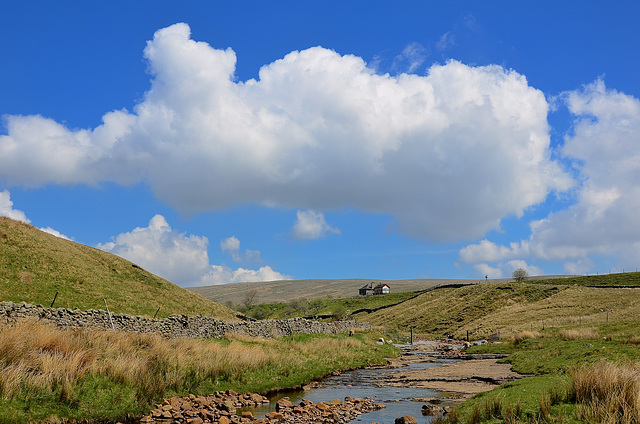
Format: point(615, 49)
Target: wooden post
point(154, 315)
point(109, 313)
point(467, 335)
point(54, 300)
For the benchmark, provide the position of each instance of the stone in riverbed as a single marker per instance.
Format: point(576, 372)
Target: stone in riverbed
point(407, 419)
point(228, 406)
point(430, 409)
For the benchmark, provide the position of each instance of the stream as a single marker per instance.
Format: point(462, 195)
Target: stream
point(367, 383)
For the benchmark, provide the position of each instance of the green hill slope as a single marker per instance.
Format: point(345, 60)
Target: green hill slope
point(35, 265)
point(288, 290)
point(488, 308)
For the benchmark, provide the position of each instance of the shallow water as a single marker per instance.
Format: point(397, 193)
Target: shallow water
point(362, 384)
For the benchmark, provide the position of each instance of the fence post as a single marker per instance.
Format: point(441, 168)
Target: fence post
point(109, 313)
point(54, 300)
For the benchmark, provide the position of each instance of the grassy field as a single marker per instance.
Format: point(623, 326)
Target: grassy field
point(618, 279)
point(34, 266)
point(580, 374)
point(270, 292)
point(487, 309)
point(339, 308)
point(51, 374)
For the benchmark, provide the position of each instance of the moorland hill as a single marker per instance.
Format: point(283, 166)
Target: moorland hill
point(35, 265)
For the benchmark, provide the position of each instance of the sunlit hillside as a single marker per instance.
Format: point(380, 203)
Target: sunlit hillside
point(34, 266)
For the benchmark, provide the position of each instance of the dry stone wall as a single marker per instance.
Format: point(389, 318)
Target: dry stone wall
point(173, 326)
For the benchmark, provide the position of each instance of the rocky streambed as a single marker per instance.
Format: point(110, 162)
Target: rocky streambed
point(231, 408)
point(429, 378)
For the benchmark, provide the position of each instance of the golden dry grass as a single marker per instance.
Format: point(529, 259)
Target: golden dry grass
point(608, 393)
point(44, 358)
point(521, 336)
point(584, 333)
point(37, 358)
point(491, 308)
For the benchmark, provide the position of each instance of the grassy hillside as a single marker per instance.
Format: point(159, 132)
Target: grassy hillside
point(488, 308)
point(339, 308)
point(287, 290)
point(619, 279)
point(35, 265)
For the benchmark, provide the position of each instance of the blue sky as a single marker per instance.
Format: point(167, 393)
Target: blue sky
point(216, 142)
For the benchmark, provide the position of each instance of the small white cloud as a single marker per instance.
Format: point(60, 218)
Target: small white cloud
point(445, 41)
point(6, 208)
point(412, 57)
point(532, 270)
point(232, 246)
point(485, 270)
point(579, 267)
point(53, 232)
point(184, 259)
point(487, 251)
point(311, 225)
point(175, 256)
point(221, 274)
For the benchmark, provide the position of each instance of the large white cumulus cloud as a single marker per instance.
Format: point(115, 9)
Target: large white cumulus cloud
point(447, 154)
point(605, 146)
point(603, 221)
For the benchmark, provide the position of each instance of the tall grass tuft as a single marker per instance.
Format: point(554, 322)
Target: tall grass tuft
point(509, 416)
point(608, 392)
point(545, 408)
point(476, 415)
point(518, 338)
point(586, 333)
point(493, 407)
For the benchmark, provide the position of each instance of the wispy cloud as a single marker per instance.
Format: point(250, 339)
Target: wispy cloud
point(311, 225)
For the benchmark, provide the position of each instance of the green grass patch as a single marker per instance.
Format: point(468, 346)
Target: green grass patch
point(550, 359)
point(617, 279)
point(521, 400)
point(341, 307)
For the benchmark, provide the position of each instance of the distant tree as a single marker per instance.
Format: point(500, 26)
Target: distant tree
point(339, 312)
point(520, 274)
point(250, 298)
point(258, 313)
point(316, 304)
